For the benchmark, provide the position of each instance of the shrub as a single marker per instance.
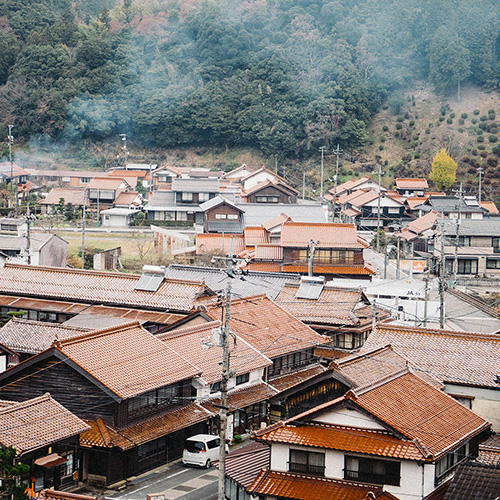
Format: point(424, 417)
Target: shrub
point(399, 126)
point(427, 130)
point(356, 174)
point(381, 147)
point(476, 111)
point(481, 147)
point(382, 138)
point(492, 162)
point(483, 118)
point(412, 123)
point(349, 172)
point(444, 108)
point(416, 156)
point(480, 138)
point(473, 152)
point(452, 115)
point(385, 128)
point(473, 121)
point(492, 138)
point(471, 170)
point(491, 111)
point(384, 107)
point(496, 150)
point(400, 119)
point(449, 121)
point(464, 116)
point(461, 130)
point(479, 131)
point(461, 121)
point(441, 118)
point(491, 117)
point(407, 115)
point(483, 126)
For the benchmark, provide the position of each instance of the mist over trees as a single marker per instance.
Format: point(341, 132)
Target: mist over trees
point(283, 76)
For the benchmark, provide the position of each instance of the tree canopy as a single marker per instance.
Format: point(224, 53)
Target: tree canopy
point(444, 170)
point(279, 75)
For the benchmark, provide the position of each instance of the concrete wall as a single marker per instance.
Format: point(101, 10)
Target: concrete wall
point(54, 253)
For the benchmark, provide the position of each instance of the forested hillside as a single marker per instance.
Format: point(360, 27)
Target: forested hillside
point(281, 76)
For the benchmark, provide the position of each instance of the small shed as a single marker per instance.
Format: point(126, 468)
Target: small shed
point(118, 217)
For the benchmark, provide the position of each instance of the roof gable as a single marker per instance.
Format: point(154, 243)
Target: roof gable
point(325, 235)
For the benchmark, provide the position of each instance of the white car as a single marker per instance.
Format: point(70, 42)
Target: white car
point(201, 450)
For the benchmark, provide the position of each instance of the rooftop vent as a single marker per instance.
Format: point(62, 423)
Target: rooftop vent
point(151, 279)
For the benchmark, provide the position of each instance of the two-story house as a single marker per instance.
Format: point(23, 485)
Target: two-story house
point(103, 191)
point(411, 187)
point(452, 207)
point(477, 248)
point(62, 178)
point(399, 435)
point(61, 195)
point(133, 412)
point(270, 191)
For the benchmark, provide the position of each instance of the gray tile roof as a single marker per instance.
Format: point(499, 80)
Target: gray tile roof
point(199, 185)
point(19, 242)
point(207, 205)
point(254, 283)
point(475, 480)
point(471, 227)
point(32, 337)
point(449, 204)
point(162, 199)
point(257, 214)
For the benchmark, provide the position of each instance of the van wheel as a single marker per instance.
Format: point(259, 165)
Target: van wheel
point(208, 464)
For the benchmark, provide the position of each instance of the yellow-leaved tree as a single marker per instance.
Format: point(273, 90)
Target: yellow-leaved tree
point(444, 170)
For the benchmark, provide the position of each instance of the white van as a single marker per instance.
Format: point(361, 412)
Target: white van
point(201, 450)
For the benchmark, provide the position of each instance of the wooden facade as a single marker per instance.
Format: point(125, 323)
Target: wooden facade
point(272, 194)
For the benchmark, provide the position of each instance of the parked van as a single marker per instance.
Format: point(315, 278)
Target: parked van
point(201, 450)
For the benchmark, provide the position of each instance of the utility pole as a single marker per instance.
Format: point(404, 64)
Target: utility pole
point(303, 185)
point(125, 152)
point(374, 315)
point(379, 172)
point(398, 261)
point(11, 143)
point(310, 257)
point(441, 277)
point(457, 234)
point(28, 236)
point(322, 149)
point(83, 227)
point(337, 152)
point(480, 171)
point(426, 296)
point(385, 263)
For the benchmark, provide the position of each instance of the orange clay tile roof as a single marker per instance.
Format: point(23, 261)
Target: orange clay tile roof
point(70, 195)
point(268, 252)
point(489, 451)
point(490, 206)
point(254, 236)
point(276, 221)
point(106, 356)
point(414, 201)
point(189, 341)
point(344, 438)
point(441, 352)
point(99, 287)
point(219, 243)
point(351, 212)
point(36, 423)
point(340, 270)
point(405, 183)
point(302, 487)
point(285, 382)
point(423, 223)
point(349, 198)
point(299, 234)
point(335, 307)
point(126, 198)
point(106, 183)
point(369, 367)
point(432, 422)
point(62, 495)
point(241, 398)
point(364, 198)
point(268, 327)
point(128, 173)
point(28, 336)
point(103, 435)
point(266, 267)
point(350, 184)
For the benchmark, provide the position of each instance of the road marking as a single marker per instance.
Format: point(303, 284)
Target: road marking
point(149, 485)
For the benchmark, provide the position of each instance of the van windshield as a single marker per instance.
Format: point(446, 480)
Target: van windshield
point(195, 446)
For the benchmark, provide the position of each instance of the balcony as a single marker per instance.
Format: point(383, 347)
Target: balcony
point(315, 470)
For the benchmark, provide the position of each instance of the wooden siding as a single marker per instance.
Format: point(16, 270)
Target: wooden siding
point(65, 385)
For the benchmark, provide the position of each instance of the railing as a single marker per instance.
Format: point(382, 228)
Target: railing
point(316, 470)
point(392, 479)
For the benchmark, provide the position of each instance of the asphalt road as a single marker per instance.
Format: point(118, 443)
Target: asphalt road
point(175, 482)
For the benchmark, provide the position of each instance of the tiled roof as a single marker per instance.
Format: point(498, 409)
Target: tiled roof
point(302, 487)
point(255, 236)
point(70, 195)
point(299, 234)
point(276, 221)
point(473, 227)
point(268, 327)
point(218, 200)
point(344, 438)
point(262, 169)
point(371, 366)
point(441, 352)
point(6, 168)
point(98, 287)
point(61, 173)
point(432, 422)
point(219, 243)
point(415, 201)
point(351, 197)
point(277, 183)
point(289, 380)
point(32, 337)
point(123, 174)
point(37, 422)
point(62, 495)
point(423, 223)
point(475, 480)
point(439, 492)
point(489, 450)
point(241, 398)
point(244, 464)
point(350, 184)
point(37, 241)
point(351, 212)
point(268, 252)
point(257, 214)
point(201, 185)
point(104, 436)
point(364, 198)
point(126, 198)
point(106, 355)
point(189, 342)
point(490, 207)
point(253, 283)
point(106, 183)
point(334, 307)
point(339, 270)
point(404, 183)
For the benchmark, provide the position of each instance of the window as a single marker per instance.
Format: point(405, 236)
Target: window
point(467, 402)
point(85, 180)
point(187, 196)
point(220, 216)
point(492, 263)
point(393, 210)
point(241, 379)
point(154, 399)
point(153, 449)
point(495, 243)
point(67, 468)
point(232, 216)
point(203, 196)
point(446, 464)
point(307, 462)
point(465, 266)
point(215, 443)
point(215, 387)
point(464, 241)
point(371, 470)
point(267, 199)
